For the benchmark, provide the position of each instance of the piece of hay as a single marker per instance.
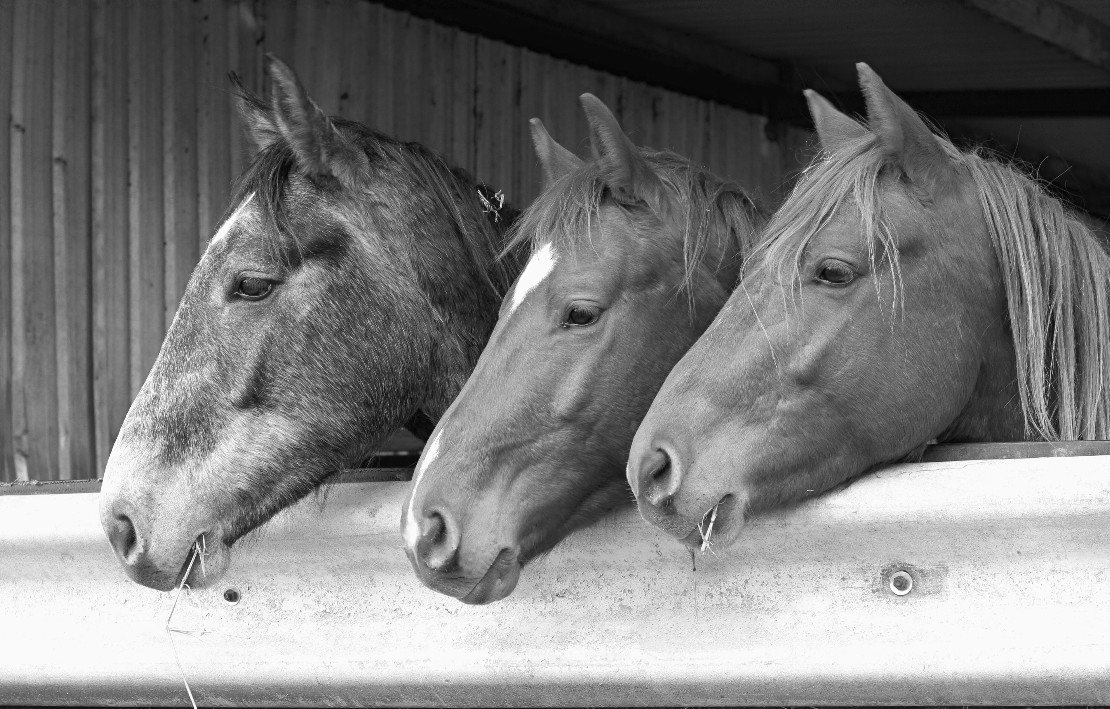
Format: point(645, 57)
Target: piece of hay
point(707, 534)
point(197, 551)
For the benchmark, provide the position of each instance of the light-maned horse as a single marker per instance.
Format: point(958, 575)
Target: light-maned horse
point(633, 253)
point(906, 291)
point(349, 290)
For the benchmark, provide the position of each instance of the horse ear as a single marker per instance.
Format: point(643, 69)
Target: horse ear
point(321, 150)
point(555, 160)
point(256, 116)
point(834, 129)
point(903, 135)
point(625, 169)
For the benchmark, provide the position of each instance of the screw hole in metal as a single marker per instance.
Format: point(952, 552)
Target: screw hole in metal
point(901, 583)
point(232, 596)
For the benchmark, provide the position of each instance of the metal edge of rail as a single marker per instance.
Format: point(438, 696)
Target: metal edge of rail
point(398, 473)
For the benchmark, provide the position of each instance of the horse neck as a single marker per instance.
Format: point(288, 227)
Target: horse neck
point(739, 227)
point(994, 412)
point(739, 247)
point(466, 316)
point(511, 261)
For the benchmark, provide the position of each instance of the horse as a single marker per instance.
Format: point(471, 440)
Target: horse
point(349, 290)
point(632, 254)
point(907, 291)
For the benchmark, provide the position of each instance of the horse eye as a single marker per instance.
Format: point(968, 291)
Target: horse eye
point(581, 316)
point(253, 288)
point(836, 273)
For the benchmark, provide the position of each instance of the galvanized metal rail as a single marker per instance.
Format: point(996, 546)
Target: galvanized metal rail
point(948, 582)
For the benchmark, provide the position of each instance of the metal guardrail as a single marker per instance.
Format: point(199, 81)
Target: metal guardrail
point(389, 467)
point(949, 582)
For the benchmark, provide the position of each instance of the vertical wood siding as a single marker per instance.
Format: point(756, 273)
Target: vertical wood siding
point(122, 143)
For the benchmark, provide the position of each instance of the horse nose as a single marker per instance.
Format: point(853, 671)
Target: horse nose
point(124, 539)
point(660, 477)
point(438, 546)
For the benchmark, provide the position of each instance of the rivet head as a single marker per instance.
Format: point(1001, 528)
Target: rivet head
point(232, 596)
point(901, 583)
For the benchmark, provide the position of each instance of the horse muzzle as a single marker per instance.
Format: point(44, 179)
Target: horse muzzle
point(162, 558)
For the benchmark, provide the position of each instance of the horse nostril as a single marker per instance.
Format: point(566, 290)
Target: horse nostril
point(661, 479)
point(434, 528)
point(438, 548)
point(660, 466)
point(124, 540)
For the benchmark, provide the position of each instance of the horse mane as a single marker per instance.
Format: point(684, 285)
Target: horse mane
point(1055, 273)
point(1057, 280)
point(563, 214)
point(453, 192)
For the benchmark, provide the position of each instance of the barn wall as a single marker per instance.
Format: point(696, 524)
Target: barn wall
point(122, 144)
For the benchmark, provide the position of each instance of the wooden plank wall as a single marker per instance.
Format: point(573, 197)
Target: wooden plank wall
point(122, 144)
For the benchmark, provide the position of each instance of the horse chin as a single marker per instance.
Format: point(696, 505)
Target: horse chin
point(499, 580)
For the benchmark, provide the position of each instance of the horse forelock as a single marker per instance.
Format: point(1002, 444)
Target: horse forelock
point(394, 165)
point(853, 175)
point(706, 207)
point(1055, 273)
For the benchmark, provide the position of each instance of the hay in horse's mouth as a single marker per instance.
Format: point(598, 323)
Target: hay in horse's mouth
point(705, 528)
point(197, 551)
point(197, 554)
point(707, 533)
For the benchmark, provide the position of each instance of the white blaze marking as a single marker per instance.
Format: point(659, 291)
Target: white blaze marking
point(226, 227)
point(538, 268)
point(412, 525)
